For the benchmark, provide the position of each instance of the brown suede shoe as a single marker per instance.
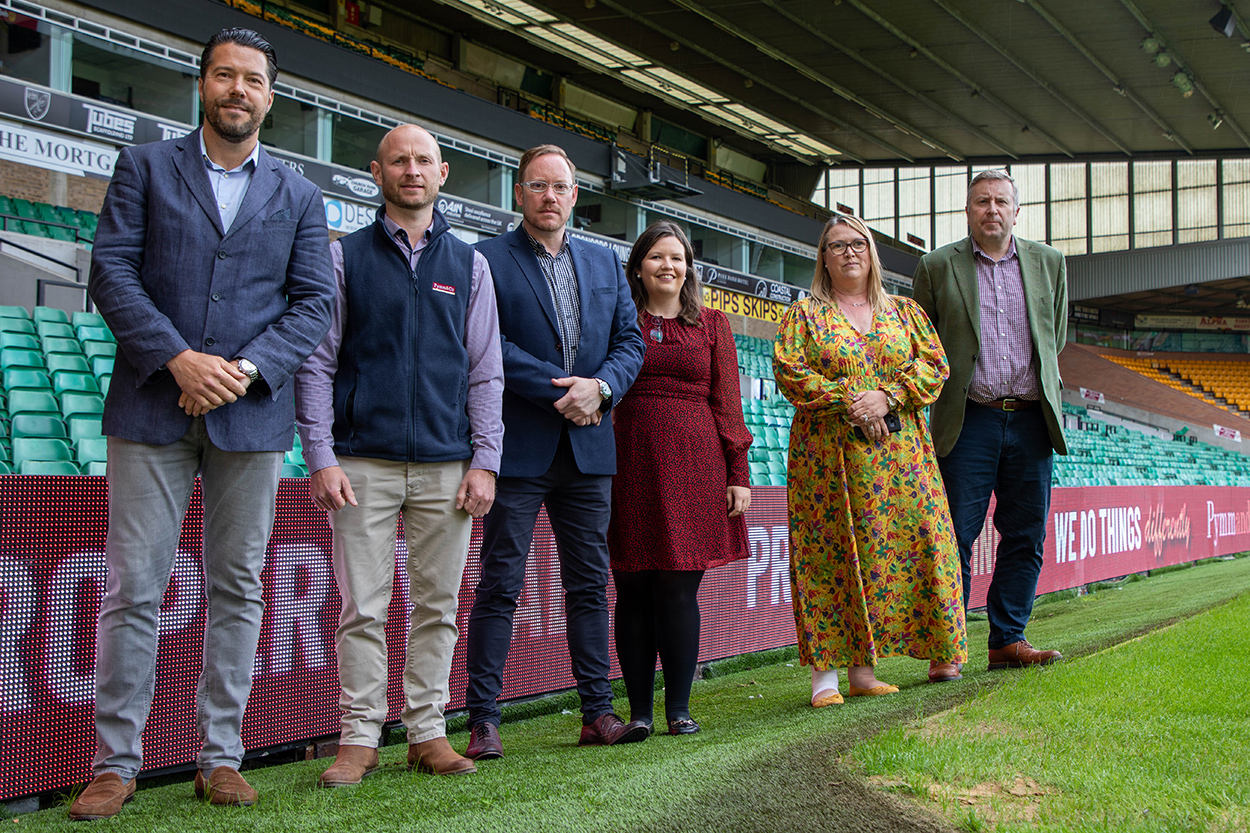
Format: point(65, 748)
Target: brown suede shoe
point(224, 787)
point(1019, 654)
point(438, 758)
point(608, 729)
point(944, 672)
point(351, 764)
point(103, 798)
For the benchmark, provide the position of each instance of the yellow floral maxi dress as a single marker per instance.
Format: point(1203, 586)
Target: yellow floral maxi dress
point(874, 568)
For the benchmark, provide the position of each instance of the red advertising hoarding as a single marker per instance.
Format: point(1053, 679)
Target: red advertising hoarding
point(52, 574)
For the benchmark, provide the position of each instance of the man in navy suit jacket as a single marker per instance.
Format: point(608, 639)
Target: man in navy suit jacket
point(211, 266)
point(571, 348)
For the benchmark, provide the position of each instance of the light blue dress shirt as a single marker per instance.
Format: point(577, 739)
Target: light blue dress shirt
point(229, 187)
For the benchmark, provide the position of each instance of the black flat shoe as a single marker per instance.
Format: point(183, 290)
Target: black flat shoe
point(682, 726)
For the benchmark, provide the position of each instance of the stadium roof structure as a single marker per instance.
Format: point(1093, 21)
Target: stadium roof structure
point(889, 82)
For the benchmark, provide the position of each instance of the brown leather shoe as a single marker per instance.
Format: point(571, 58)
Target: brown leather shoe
point(608, 729)
point(1019, 654)
point(944, 672)
point(225, 787)
point(351, 764)
point(484, 742)
point(103, 798)
point(438, 758)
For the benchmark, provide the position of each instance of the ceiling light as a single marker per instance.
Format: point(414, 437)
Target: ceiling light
point(1224, 22)
point(1163, 60)
point(1150, 45)
point(1183, 83)
point(1216, 120)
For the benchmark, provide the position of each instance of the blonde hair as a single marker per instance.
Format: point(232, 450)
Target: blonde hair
point(822, 283)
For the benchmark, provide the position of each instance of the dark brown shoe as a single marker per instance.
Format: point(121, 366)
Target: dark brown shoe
point(944, 672)
point(224, 787)
point(438, 758)
point(1020, 654)
point(608, 730)
point(351, 765)
point(103, 798)
point(484, 742)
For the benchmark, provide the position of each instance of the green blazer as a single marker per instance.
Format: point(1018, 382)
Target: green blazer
point(946, 288)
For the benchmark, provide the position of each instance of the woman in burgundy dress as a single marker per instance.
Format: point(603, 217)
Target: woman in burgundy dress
point(682, 478)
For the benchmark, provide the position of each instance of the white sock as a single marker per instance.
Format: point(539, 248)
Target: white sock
point(824, 681)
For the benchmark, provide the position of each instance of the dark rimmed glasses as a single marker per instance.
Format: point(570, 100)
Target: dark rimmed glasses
point(837, 247)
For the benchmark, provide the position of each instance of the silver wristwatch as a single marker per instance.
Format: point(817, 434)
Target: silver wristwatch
point(248, 369)
point(605, 390)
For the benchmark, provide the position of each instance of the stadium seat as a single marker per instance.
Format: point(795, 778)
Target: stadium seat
point(37, 425)
point(102, 365)
point(95, 468)
point(81, 403)
point(33, 402)
point(95, 334)
point(21, 378)
point(21, 341)
point(40, 448)
point(4, 468)
point(88, 319)
point(75, 381)
point(292, 470)
point(96, 349)
point(104, 383)
point(54, 329)
point(19, 357)
point(50, 313)
point(10, 311)
point(56, 467)
point(84, 427)
point(92, 450)
point(55, 344)
point(67, 361)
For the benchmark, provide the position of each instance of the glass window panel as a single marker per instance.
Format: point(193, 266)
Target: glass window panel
point(354, 142)
point(913, 192)
point(117, 75)
point(1030, 222)
point(950, 187)
point(1195, 235)
point(1152, 176)
point(1153, 211)
point(916, 225)
point(25, 51)
point(1196, 207)
point(1236, 170)
point(1067, 220)
point(1113, 243)
point(1110, 215)
point(291, 125)
point(844, 189)
point(1157, 238)
point(1108, 179)
point(1067, 182)
point(1031, 180)
point(1194, 172)
point(1236, 208)
point(1070, 247)
point(878, 206)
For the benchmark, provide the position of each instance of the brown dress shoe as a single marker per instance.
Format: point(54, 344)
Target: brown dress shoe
point(944, 672)
point(1019, 654)
point(438, 758)
point(103, 798)
point(351, 764)
point(608, 729)
point(224, 787)
point(484, 742)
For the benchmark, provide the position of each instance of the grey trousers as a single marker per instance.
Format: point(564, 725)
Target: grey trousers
point(149, 488)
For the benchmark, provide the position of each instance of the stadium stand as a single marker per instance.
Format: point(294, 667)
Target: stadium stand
point(40, 219)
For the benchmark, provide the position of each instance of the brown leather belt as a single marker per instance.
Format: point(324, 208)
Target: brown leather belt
point(1008, 404)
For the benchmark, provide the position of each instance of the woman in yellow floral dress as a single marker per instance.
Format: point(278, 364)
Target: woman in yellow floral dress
point(874, 568)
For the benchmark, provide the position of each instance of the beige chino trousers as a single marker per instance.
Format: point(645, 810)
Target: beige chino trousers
point(437, 535)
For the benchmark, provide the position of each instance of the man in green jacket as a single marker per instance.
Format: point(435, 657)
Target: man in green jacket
point(1000, 306)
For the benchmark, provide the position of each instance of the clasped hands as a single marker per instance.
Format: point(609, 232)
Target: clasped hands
point(867, 409)
point(207, 381)
point(581, 403)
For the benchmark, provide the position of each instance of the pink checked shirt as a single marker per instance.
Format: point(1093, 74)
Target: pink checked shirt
point(1007, 364)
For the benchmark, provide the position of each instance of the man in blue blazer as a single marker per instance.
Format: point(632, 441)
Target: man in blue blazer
point(571, 348)
point(211, 267)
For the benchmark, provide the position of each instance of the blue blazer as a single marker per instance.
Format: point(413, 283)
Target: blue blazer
point(611, 349)
point(166, 277)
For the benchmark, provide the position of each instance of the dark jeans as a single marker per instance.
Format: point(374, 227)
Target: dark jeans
point(1010, 455)
point(579, 507)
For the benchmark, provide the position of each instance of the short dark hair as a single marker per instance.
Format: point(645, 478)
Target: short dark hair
point(240, 37)
point(691, 292)
point(542, 150)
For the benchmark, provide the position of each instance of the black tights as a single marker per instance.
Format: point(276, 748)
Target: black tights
point(657, 611)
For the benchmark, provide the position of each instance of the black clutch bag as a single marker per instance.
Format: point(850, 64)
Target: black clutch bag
point(891, 424)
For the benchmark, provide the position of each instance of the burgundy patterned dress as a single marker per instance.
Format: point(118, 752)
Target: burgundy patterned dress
point(680, 441)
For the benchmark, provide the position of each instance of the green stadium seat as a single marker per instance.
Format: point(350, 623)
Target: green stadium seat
point(6, 450)
point(17, 325)
point(84, 427)
point(95, 334)
point(54, 329)
point(76, 362)
point(4, 468)
point(37, 425)
point(101, 366)
point(775, 479)
point(65, 235)
point(40, 448)
point(88, 319)
point(21, 378)
point(104, 383)
point(10, 311)
point(93, 349)
point(92, 450)
point(50, 313)
point(21, 341)
point(46, 467)
point(95, 468)
point(33, 402)
point(19, 357)
point(75, 381)
point(292, 470)
point(23, 207)
point(55, 344)
point(81, 403)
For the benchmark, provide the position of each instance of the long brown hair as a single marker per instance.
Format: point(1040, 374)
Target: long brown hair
point(822, 283)
point(691, 293)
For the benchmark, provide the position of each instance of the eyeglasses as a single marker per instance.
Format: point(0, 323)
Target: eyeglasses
point(837, 247)
point(537, 186)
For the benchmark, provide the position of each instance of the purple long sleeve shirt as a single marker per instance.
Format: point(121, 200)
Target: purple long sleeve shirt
point(314, 382)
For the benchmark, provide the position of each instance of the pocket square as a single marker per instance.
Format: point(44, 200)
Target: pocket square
point(281, 214)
